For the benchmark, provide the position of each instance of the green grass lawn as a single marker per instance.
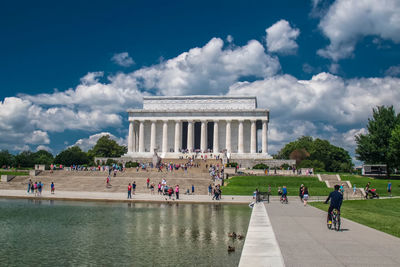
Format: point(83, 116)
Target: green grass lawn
point(21, 173)
point(246, 185)
point(381, 214)
point(379, 184)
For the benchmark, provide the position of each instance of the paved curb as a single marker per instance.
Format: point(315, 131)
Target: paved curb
point(261, 247)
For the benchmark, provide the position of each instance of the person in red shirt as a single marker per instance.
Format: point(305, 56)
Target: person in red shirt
point(129, 191)
point(170, 192)
point(148, 182)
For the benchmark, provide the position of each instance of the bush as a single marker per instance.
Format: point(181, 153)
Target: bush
point(111, 162)
point(261, 166)
point(316, 164)
point(232, 164)
point(131, 164)
point(285, 166)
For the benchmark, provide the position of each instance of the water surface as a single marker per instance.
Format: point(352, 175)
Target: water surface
point(62, 233)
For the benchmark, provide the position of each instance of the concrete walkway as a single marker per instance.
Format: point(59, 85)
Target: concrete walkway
point(260, 247)
point(305, 240)
point(115, 196)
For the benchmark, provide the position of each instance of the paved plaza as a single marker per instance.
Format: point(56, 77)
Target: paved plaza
point(305, 240)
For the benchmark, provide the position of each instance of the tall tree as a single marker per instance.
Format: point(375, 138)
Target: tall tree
point(106, 147)
point(374, 147)
point(43, 157)
point(395, 146)
point(317, 153)
point(25, 159)
point(6, 159)
point(72, 155)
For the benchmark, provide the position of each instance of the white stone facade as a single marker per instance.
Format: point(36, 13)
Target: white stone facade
point(202, 124)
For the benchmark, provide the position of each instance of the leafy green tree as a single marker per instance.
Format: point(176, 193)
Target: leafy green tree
point(25, 159)
point(303, 143)
point(106, 147)
point(6, 159)
point(394, 144)
point(316, 151)
point(43, 157)
point(374, 147)
point(72, 155)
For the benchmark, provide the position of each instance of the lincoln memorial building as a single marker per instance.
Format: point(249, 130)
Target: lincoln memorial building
point(218, 125)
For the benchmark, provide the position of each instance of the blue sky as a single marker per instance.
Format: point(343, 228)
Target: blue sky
point(69, 70)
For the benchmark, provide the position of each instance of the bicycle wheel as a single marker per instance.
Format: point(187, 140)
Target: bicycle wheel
point(337, 222)
point(334, 216)
point(329, 225)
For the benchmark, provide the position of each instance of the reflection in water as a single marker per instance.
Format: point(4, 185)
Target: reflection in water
point(85, 233)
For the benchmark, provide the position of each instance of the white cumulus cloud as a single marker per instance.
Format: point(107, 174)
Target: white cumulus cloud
point(123, 59)
point(210, 69)
point(87, 143)
point(281, 38)
point(348, 21)
point(319, 106)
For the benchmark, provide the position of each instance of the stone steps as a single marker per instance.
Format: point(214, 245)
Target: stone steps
point(98, 184)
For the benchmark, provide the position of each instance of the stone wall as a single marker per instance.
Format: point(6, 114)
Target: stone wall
point(249, 163)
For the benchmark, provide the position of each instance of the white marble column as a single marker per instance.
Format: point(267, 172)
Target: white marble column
point(203, 138)
point(240, 137)
point(215, 139)
point(165, 137)
point(177, 136)
point(190, 136)
point(141, 136)
point(153, 136)
point(130, 137)
point(228, 145)
point(264, 138)
point(253, 137)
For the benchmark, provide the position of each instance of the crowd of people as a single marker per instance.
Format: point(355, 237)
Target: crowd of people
point(36, 188)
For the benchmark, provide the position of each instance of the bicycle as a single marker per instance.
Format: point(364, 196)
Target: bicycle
point(335, 220)
point(284, 200)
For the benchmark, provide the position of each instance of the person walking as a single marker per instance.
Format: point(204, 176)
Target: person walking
point(389, 188)
point(354, 189)
point(342, 189)
point(29, 185)
point(134, 187)
point(40, 186)
point(36, 188)
point(152, 189)
point(177, 191)
point(301, 192)
point(192, 189)
point(305, 195)
point(52, 188)
point(209, 190)
point(148, 182)
point(129, 191)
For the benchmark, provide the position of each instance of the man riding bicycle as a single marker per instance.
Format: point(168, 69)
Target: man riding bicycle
point(284, 193)
point(336, 202)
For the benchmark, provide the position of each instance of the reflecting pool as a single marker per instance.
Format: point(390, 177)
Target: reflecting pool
point(67, 233)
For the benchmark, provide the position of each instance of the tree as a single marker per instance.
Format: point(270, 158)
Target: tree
point(25, 159)
point(394, 144)
point(374, 147)
point(43, 157)
point(304, 143)
point(72, 155)
point(318, 154)
point(6, 159)
point(106, 147)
